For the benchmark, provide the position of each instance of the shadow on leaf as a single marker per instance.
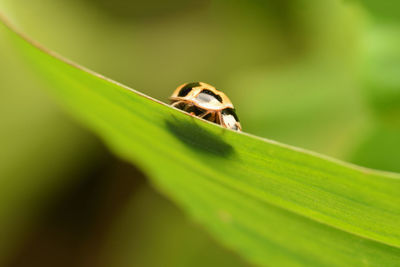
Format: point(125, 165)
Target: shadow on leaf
point(198, 138)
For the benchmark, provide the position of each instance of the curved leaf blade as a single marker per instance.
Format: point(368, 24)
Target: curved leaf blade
point(272, 203)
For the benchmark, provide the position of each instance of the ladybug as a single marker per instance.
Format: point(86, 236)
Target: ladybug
point(204, 101)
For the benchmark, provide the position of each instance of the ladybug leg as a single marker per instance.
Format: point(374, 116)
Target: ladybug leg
point(219, 120)
point(189, 109)
point(204, 114)
point(177, 103)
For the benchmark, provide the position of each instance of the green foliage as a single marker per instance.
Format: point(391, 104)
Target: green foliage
point(272, 203)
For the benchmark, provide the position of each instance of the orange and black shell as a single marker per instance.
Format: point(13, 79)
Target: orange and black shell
point(206, 102)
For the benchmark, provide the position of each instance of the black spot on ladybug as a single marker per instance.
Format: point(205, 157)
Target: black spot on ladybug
point(187, 88)
point(184, 91)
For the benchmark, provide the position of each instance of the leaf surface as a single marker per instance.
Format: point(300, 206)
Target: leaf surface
point(272, 203)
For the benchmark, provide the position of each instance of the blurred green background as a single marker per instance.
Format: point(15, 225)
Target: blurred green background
point(322, 75)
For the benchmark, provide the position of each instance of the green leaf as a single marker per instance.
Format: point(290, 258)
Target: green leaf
point(273, 204)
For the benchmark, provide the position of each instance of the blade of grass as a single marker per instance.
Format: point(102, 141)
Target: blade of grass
point(272, 203)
